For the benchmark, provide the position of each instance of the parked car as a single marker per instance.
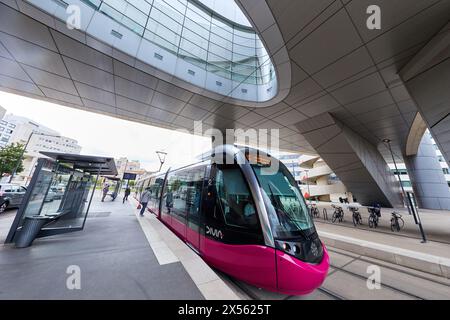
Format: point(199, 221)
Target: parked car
point(58, 192)
point(11, 196)
point(51, 195)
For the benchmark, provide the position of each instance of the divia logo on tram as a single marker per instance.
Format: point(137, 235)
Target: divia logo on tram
point(216, 233)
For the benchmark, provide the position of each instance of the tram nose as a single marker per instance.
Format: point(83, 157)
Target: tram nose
point(296, 277)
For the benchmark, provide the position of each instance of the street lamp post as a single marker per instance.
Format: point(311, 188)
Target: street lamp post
point(411, 210)
point(307, 184)
point(124, 171)
point(388, 142)
point(162, 158)
point(293, 169)
point(25, 148)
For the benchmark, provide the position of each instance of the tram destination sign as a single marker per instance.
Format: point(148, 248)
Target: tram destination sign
point(129, 176)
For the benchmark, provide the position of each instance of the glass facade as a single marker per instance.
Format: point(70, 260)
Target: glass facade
point(195, 33)
point(228, 9)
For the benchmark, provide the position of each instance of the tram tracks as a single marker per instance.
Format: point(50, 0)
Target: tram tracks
point(342, 293)
point(253, 296)
point(388, 266)
point(332, 294)
point(379, 230)
point(357, 275)
point(240, 286)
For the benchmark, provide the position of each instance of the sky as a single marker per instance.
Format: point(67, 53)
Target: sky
point(102, 135)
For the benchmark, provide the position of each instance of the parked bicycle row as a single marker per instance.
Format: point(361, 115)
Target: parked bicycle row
point(373, 219)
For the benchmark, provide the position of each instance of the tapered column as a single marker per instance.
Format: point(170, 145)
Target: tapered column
point(428, 181)
point(427, 78)
point(357, 162)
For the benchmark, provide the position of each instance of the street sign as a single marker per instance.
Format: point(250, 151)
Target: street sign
point(129, 176)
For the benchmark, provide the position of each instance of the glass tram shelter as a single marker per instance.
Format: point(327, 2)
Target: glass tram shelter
point(59, 196)
point(115, 184)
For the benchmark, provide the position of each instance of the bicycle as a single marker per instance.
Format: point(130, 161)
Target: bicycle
point(397, 222)
point(338, 214)
point(356, 216)
point(374, 217)
point(314, 211)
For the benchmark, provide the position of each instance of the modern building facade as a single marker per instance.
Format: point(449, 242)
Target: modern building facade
point(407, 184)
point(320, 182)
point(208, 43)
point(315, 178)
point(21, 130)
point(6, 130)
point(292, 163)
point(314, 70)
point(130, 166)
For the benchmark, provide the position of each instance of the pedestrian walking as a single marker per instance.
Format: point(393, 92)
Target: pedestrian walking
point(127, 193)
point(145, 198)
point(105, 191)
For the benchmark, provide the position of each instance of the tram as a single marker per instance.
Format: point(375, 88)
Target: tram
point(250, 224)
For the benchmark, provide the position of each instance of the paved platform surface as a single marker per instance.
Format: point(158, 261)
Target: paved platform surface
point(168, 248)
point(114, 256)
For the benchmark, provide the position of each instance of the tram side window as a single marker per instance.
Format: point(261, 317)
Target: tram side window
point(193, 199)
point(183, 194)
point(194, 195)
point(155, 186)
point(175, 198)
point(234, 198)
point(186, 187)
point(139, 188)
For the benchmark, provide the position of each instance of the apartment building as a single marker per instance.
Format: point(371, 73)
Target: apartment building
point(16, 129)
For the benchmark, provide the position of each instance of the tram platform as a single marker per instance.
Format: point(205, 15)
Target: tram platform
point(403, 248)
point(117, 256)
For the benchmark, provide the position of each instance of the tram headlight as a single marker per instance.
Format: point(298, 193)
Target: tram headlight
point(308, 251)
point(286, 247)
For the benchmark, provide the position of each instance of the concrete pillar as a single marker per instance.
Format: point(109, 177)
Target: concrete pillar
point(428, 181)
point(427, 78)
point(357, 162)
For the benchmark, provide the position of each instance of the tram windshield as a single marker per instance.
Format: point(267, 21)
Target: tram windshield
point(287, 210)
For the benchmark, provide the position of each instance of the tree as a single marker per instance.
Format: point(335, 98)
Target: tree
point(9, 157)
